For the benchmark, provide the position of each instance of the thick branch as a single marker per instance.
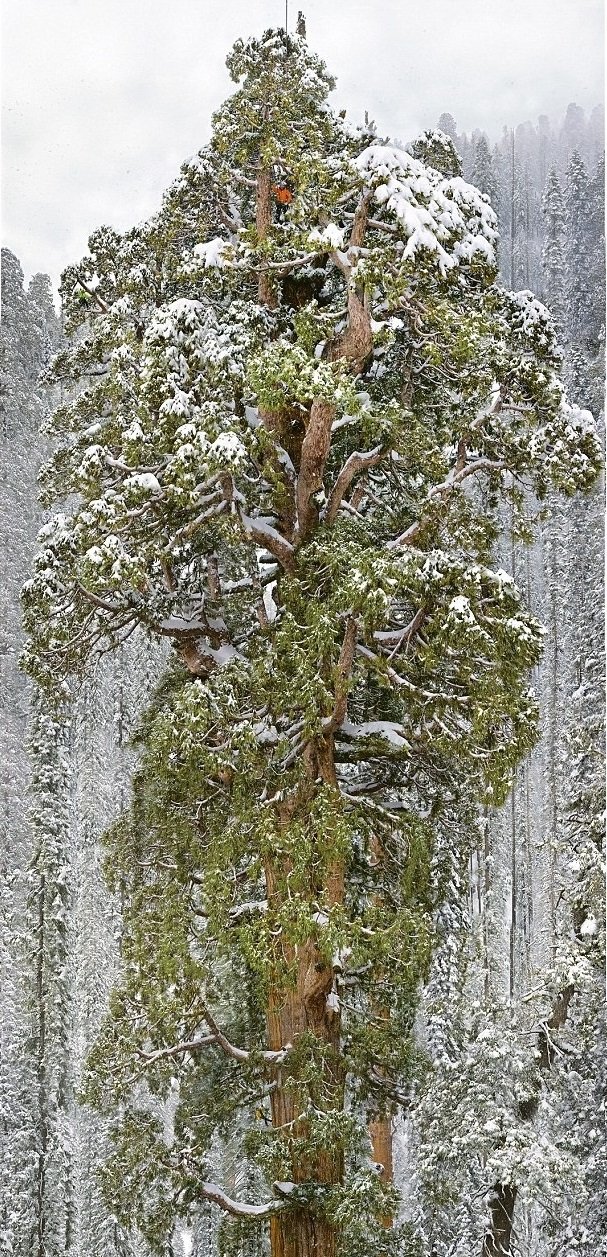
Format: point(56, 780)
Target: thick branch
point(241, 1054)
point(355, 343)
point(314, 451)
point(357, 462)
point(344, 669)
point(263, 222)
point(269, 539)
point(397, 637)
point(238, 1209)
point(361, 219)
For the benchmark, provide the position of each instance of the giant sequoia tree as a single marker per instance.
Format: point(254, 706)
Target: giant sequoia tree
point(282, 451)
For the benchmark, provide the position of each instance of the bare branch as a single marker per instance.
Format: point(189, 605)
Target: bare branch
point(188, 1045)
point(283, 268)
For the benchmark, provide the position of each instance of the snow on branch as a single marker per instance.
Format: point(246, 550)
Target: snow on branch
point(215, 1038)
point(269, 539)
point(453, 480)
point(357, 462)
point(238, 1209)
point(444, 216)
point(241, 1054)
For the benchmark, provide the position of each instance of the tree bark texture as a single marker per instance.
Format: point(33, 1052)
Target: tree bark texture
point(303, 1009)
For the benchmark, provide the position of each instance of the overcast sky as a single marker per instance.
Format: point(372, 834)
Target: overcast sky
point(103, 99)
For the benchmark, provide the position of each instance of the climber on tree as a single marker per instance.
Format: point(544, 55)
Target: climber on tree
point(283, 195)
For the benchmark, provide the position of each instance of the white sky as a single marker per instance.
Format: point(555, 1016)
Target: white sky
point(103, 99)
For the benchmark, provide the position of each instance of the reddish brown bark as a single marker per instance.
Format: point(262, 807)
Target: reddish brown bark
point(303, 1008)
point(314, 452)
point(263, 221)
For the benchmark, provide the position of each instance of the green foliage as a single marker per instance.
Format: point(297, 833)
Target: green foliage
point(343, 693)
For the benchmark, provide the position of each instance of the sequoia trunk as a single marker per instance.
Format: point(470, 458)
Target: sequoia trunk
point(305, 1008)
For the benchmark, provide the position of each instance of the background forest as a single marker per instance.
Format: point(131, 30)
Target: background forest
point(522, 911)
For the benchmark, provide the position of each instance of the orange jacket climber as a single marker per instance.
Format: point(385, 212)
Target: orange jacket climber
point(282, 193)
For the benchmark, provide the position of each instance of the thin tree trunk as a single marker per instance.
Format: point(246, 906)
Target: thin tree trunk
point(486, 901)
point(513, 890)
point(512, 215)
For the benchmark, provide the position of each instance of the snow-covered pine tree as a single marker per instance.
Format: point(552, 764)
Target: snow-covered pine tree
point(553, 257)
point(274, 469)
point(483, 173)
point(27, 1072)
point(50, 999)
point(578, 273)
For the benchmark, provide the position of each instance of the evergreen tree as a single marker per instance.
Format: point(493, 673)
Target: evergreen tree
point(271, 464)
point(47, 925)
point(24, 349)
point(482, 172)
point(519, 226)
point(553, 260)
point(446, 124)
point(578, 253)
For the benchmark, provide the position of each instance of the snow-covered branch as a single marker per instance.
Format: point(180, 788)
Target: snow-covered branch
point(358, 461)
point(448, 486)
point(238, 1209)
point(241, 1054)
point(269, 539)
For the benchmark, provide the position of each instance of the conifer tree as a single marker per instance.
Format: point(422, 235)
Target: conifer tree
point(47, 924)
point(482, 172)
point(273, 464)
point(553, 260)
point(28, 323)
point(578, 252)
